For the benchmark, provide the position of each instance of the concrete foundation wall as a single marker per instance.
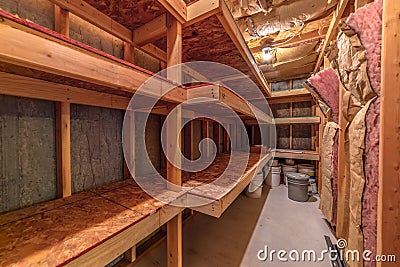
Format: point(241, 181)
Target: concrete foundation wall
point(38, 11)
point(89, 34)
point(96, 147)
point(27, 152)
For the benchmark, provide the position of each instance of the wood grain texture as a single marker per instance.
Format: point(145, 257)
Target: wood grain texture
point(389, 148)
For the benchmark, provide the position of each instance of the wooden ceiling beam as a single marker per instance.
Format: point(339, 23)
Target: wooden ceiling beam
point(89, 13)
point(332, 30)
point(151, 31)
point(229, 24)
point(177, 8)
point(154, 51)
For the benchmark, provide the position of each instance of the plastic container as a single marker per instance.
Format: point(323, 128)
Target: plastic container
point(298, 186)
point(286, 169)
point(254, 190)
point(275, 163)
point(289, 161)
point(274, 180)
point(310, 171)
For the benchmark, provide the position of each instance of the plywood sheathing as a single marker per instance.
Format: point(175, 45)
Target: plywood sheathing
point(207, 40)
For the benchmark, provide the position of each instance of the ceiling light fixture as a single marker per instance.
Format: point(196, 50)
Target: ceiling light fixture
point(267, 53)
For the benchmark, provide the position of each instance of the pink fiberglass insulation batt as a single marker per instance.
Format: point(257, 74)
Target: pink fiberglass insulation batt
point(370, 33)
point(326, 82)
point(367, 23)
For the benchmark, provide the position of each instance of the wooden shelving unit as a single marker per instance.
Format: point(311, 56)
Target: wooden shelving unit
point(48, 65)
point(299, 120)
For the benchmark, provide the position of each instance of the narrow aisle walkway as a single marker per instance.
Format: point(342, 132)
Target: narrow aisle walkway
point(244, 229)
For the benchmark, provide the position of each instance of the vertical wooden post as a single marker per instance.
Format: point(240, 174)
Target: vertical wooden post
point(188, 140)
point(129, 55)
point(342, 227)
point(389, 141)
point(291, 127)
point(63, 121)
point(63, 148)
point(206, 134)
point(233, 136)
point(174, 56)
point(130, 254)
point(217, 136)
point(129, 52)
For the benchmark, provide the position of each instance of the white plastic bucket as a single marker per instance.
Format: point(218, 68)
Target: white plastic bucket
point(274, 179)
point(286, 169)
point(289, 161)
point(254, 190)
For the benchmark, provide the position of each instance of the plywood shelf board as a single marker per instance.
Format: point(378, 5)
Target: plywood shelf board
point(297, 154)
point(298, 120)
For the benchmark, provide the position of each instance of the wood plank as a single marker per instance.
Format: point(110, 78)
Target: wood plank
point(28, 50)
point(177, 8)
point(151, 31)
point(63, 148)
point(332, 30)
point(298, 120)
point(343, 181)
point(97, 18)
point(389, 146)
point(200, 10)
point(289, 93)
point(226, 19)
point(206, 128)
point(188, 140)
point(155, 52)
point(61, 20)
point(130, 254)
point(299, 154)
point(129, 52)
point(174, 139)
point(217, 136)
point(11, 84)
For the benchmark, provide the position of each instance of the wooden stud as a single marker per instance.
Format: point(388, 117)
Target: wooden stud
point(63, 148)
point(226, 138)
point(388, 234)
point(188, 141)
point(155, 52)
point(61, 20)
point(174, 48)
point(63, 121)
point(343, 181)
point(87, 12)
point(130, 254)
point(361, 3)
point(291, 126)
point(129, 53)
point(341, 6)
point(217, 136)
point(206, 134)
point(174, 173)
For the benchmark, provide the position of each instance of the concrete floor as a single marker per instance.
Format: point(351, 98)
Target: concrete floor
point(246, 228)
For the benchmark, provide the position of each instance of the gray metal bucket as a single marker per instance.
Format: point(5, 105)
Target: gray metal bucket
point(298, 186)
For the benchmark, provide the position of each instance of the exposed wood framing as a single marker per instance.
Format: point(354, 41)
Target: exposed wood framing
point(155, 52)
point(130, 254)
point(226, 19)
point(290, 97)
point(298, 120)
point(177, 8)
point(188, 140)
point(297, 154)
point(94, 16)
point(199, 10)
point(63, 149)
point(129, 52)
point(388, 235)
point(343, 181)
point(28, 50)
point(341, 6)
point(151, 31)
point(63, 121)
point(206, 128)
point(217, 136)
point(174, 173)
